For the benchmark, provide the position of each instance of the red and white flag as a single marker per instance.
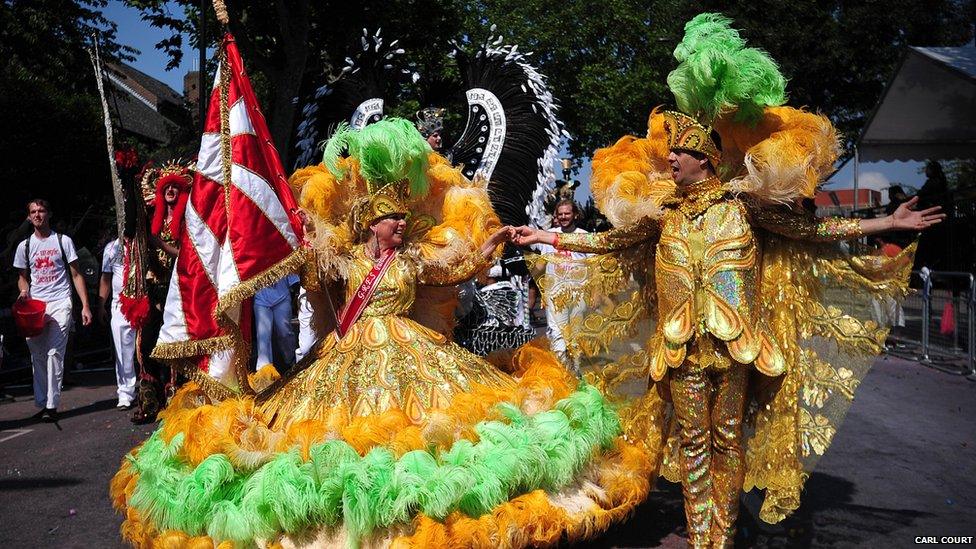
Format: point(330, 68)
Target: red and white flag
point(240, 234)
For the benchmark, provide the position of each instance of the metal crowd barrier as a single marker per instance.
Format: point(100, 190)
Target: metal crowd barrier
point(938, 327)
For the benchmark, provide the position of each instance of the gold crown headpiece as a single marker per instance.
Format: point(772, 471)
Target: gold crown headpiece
point(390, 199)
point(687, 134)
point(173, 172)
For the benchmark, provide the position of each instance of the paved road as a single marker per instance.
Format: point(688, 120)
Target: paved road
point(903, 465)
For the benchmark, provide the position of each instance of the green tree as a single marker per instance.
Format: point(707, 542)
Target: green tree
point(607, 60)
point(839, 55)
point(53, 137)
point(290, 47)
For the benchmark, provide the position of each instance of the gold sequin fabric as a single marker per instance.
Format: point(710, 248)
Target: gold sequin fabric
point(774, 269)
point(707, 269)
point(386, 360)
point(164, 258)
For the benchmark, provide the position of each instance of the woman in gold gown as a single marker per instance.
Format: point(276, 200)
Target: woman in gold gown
point(393, 435)
point(387, 360)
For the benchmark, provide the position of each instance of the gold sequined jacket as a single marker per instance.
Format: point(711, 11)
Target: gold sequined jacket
point(708, 266)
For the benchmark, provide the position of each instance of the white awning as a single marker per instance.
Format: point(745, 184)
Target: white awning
point(928, 110)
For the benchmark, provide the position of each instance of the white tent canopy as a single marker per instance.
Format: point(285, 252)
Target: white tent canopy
point(928, 110)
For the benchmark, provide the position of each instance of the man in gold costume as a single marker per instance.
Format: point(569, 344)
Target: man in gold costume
point(730, 274)
point(707, 268)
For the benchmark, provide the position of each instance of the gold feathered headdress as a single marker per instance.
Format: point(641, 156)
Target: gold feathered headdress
point(392, 158)
point(684, 133)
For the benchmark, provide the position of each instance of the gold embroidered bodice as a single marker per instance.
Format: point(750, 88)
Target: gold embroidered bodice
point(387, 360)
point(707, 274)
point(707, 268)
point(396, 291)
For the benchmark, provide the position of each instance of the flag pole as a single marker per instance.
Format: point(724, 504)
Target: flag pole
point(242, 349)
point(109, 139)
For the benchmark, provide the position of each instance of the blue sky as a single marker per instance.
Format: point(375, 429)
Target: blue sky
point(135, 32)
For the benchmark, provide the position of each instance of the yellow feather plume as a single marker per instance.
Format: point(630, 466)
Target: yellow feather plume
point(784, 157)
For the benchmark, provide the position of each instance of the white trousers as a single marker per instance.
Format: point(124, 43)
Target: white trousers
point(310, 325)
point(556, 322)
point(124, 338)
point(47, 354)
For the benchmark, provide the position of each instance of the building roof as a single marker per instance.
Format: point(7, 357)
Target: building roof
point(142, 105)
point(962, 59)
point(927, 110)
point(845, 197)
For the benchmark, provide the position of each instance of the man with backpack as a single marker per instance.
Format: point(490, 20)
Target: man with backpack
point(45, 260)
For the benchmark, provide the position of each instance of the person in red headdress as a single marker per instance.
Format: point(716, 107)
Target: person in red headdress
point(169, 204)
point(167, 190)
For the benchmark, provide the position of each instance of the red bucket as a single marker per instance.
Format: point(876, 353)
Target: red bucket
point(29, 316)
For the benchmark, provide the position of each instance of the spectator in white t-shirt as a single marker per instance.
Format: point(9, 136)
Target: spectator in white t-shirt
point(44, 261)
point(565, 216)
point(272, 323)
point(123, 335)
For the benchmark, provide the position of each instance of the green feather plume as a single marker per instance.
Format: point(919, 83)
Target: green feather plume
point(717, 74)
point(513, 456)
point(335, 147)
point(390, 150)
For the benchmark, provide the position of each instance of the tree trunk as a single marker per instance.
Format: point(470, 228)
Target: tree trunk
point(284, 72)
point(282, 115)
point(293, 20)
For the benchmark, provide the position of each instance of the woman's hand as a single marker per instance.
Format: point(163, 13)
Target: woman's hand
point(307, 224)
point(526, 236)
point(505, 234)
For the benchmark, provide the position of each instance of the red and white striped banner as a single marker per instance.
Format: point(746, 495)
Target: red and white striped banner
point(237, 234)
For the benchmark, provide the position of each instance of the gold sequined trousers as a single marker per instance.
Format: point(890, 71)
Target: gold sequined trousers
point(709, 404)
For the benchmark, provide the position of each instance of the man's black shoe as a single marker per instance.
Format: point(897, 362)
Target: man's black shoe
point(51, 415)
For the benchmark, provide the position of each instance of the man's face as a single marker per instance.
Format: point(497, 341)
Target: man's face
point(685, 168)
point(37, 215)
point(565, 217)
point(434, 140)
point(170, 194)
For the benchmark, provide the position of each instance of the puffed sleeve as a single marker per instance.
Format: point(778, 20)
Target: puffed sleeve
point(608, 241)
point(803, 225)
point(451, 267)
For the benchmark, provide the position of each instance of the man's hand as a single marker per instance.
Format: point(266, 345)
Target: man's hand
point(24, 294)
point(505, 234)
point(86, 316)
point(905, 218)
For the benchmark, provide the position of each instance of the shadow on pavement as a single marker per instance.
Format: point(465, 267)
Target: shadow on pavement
point(37, 483)
point(661, 515)
point(99, 406)
point(825, 518)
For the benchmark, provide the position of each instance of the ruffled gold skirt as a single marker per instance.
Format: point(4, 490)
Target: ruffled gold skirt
point(382, 363)
point(512, 462)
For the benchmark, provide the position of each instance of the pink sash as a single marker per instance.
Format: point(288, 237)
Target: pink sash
point(355, 307)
